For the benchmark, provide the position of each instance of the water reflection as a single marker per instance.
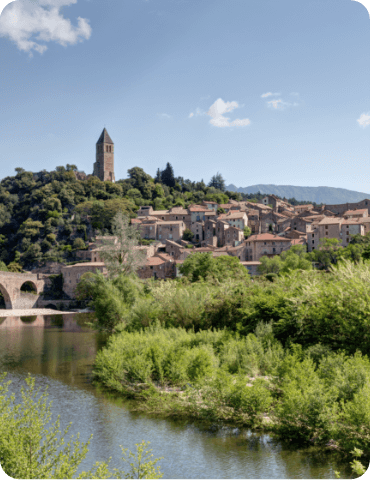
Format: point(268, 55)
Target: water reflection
point(59, 350)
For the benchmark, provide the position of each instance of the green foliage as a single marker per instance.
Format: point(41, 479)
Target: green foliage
point(202, 266)
point(33, 447)
point(79, 244)
point(188, 235)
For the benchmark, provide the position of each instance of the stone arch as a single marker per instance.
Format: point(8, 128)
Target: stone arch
point(28, 287)
point(7, 299)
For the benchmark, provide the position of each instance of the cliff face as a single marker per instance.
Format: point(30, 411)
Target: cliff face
point(327, 195)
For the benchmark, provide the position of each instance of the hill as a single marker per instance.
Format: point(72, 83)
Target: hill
point(328, 195)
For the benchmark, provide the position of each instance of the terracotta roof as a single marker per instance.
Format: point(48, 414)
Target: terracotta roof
point(180, 210)
point(352, 222)
point(330, 221)
point(135, 220)
point(154, 261)
point(198, 208)
point(104, 138)
point(298, 241)
point(227, 216)
point(266, 236)
point(160, 212)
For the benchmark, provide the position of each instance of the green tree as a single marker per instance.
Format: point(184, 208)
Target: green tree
point(168, 177)
point(188, 235)
point(247, 231)
point(33, 447)
point(218, 182)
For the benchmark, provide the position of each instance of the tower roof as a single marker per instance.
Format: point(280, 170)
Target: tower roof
point(104, 138)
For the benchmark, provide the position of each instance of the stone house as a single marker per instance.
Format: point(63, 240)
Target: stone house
point(210, 237)
point(362, 213)
point(145, 211)
point(170, 230)
point(235, 219)
point(179, 213)
point(176, 251)
point(302, 208)
point(233, 236)
point(272, 200)
point(197, 213)
point(197, 230)
point(340, 209)
point(265, 244)
point(349, 228)
point(148, 229)
point(211, 205)
point(330, 227)
point(161, 267)
point(73, 273)
point(254, 220)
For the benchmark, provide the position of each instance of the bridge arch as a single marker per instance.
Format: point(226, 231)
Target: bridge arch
point(28, 287)
point(7, 299)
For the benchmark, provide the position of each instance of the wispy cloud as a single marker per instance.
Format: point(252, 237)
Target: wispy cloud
point(30, 24)
point(278, 104)
point(270, 94)
point(197, 113)
point(364, 120)
point(163, 115)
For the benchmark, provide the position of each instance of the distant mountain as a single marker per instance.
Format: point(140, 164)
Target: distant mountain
point(328, 195)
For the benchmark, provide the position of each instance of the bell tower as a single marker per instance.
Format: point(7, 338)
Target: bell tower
point(104, 165)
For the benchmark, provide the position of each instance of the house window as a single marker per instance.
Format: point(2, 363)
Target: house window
point(313, 241)
point(273, 250)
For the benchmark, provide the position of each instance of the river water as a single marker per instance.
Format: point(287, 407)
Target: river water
point(60, 350)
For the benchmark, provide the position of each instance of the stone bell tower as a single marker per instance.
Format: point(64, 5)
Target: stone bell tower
point(104, 165)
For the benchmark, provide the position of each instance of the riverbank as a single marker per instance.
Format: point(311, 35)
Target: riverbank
point(312, 398)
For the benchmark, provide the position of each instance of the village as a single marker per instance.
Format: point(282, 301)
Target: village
point(241, 229)
point(274, 225)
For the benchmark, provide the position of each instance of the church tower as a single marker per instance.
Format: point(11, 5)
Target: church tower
point(104, 165)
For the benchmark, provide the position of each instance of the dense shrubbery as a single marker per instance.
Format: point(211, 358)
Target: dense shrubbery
point(287, 355)
point(309, 395)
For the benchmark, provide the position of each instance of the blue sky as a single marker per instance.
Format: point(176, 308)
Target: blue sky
point(263, 91)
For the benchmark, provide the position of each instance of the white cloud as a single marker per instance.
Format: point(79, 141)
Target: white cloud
point(270, 94)
point(163, 115)
point(364, 120)
point(217, 111)
point(31, 24)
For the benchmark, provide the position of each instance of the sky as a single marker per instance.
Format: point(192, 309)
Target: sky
point(262, 91)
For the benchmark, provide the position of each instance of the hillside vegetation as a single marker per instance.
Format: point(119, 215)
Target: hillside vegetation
point(49, 215)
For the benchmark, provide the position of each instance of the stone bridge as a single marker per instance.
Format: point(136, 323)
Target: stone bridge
point(20, 290)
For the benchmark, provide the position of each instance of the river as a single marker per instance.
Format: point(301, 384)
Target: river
point(60, 350)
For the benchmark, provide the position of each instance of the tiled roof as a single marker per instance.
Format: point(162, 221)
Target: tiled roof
point(160, 212)
point(135, 220)
point(198, 208)
point(266, 236)
point(356, 212)
point(330, 221)
point(154, 261)
point(104, 138)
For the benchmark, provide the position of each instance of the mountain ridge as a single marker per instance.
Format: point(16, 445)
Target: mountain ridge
point(327, 195)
